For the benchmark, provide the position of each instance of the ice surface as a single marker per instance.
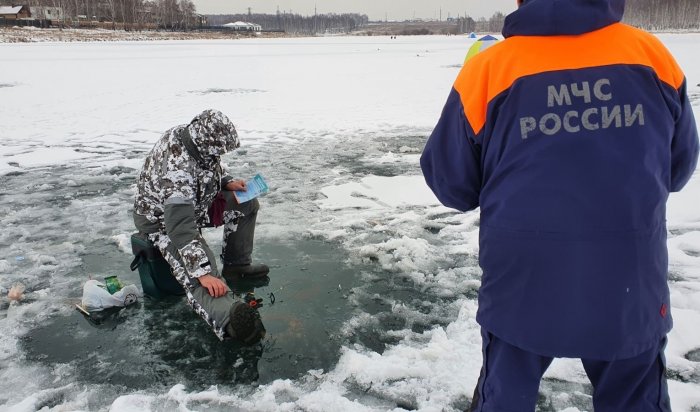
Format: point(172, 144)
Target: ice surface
point(379, 192)
point(335, 125)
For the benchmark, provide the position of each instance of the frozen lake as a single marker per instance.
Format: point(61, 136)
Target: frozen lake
point(374, 283)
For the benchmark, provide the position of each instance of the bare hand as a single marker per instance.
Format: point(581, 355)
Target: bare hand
point(215, 286)
point(236, 185)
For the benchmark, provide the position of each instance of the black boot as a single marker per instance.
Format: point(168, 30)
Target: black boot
point(245, 271)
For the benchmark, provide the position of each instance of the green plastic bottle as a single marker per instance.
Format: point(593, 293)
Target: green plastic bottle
point(113, 284)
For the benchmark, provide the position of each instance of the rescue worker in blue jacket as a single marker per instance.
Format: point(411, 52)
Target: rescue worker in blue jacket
point(569, 135)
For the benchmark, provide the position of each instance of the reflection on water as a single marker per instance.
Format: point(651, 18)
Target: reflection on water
point(79, 214)
point(321, 295)
point(157, 344)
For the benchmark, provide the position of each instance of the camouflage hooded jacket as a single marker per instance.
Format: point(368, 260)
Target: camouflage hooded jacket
point(180, 178)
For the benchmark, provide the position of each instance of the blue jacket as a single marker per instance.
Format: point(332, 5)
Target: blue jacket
point(569, 135)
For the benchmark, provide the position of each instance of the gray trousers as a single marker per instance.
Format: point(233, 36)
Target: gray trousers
point(239, 232)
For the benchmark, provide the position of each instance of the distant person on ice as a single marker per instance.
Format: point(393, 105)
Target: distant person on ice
point(181, 189)
point(569, 134)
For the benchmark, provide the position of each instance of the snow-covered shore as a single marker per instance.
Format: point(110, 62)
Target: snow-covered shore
point(36, 35)
point(337, 125)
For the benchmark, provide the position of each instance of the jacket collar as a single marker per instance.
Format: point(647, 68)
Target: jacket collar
point(562, 17)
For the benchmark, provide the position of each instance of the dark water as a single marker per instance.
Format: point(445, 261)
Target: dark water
point(158, 344)
point(62, 220)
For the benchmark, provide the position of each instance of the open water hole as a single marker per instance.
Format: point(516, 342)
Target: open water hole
point(159, 343)
point(62, 222)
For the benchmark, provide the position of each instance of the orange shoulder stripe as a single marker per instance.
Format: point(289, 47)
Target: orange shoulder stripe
point(493, 71)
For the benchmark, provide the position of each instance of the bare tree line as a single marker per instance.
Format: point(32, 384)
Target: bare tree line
point(494, 24)
point(663, 14)
point(120, 14)
point(296, 23)
point(646, 14)
point(181, 15)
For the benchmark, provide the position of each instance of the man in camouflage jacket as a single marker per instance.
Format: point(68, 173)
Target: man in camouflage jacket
point(181, 177)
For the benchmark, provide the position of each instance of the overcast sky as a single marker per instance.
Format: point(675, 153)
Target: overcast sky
point(375, 9)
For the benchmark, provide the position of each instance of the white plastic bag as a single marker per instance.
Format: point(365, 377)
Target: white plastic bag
point(96, 297)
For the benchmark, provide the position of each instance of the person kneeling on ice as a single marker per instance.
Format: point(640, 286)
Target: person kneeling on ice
point(182, 189)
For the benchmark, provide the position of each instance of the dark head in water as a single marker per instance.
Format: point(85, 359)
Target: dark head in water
point(245, 325)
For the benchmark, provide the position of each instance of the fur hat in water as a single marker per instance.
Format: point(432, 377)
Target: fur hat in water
point(245, 325)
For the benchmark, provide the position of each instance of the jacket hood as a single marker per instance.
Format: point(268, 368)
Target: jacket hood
point(562, 17)
point(213, 133)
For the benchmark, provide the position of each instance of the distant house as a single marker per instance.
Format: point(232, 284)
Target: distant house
point(201, 20)
point(48, 13)
point(243, 26)
point(15, 12)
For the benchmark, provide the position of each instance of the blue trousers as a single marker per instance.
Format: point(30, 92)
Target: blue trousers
point(510, 380)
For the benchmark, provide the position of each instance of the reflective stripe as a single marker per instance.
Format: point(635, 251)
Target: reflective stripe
point(495, 70)
point(176, 200)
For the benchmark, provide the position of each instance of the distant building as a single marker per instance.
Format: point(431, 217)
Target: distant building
point(47, 13)
point(201, 20)
point(243, 26)
point(15, 12)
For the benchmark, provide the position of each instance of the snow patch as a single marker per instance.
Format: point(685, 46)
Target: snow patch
point(374, 192)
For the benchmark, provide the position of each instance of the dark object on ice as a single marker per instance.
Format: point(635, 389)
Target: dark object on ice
point(245, 325)
point(245, 271)
point(157, 280)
